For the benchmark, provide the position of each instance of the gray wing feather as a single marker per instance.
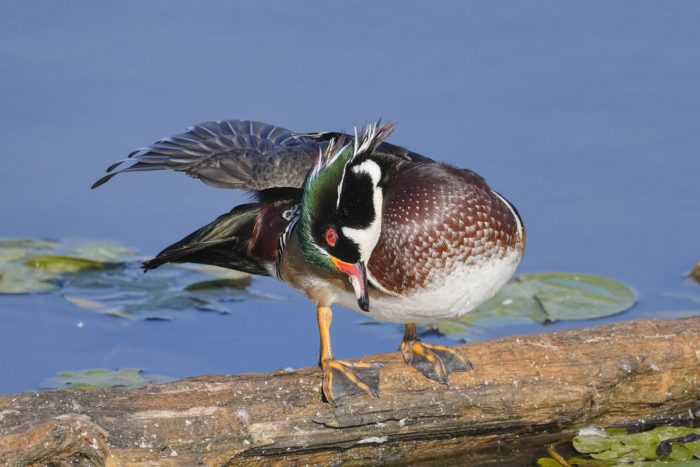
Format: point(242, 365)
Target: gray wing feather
point(229, 154)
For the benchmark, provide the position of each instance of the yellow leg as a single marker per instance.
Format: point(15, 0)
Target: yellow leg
point(434, 361)
point(340, 378)
point(325, 317)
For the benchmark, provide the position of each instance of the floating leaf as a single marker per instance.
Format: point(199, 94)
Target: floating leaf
point(62, 264)
point(11, 254)
point(15, 276)
point(216, 271)
point(19, 279)
point(26, 243)
point(90, 277)
point(616, 430)
point(83, 302)
point(545, 298)
point(102, 251)
point(664, 442)
point(99, 378)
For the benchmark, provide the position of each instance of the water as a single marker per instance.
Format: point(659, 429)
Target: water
point(586, 116)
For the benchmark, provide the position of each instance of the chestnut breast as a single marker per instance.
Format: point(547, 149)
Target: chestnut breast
point(436, 218)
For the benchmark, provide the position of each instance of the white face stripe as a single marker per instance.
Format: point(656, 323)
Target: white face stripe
point(371, 168)
point(340, 189)
point(367, 238)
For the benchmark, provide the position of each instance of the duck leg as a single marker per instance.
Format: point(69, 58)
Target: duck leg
point(434, 361)
point(341, 378)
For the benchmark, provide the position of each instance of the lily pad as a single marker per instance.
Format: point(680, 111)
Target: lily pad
point(663, 445)
point(101, 251)
point(216, 271)
point(99, 378)
point(107, 278)
point(546, 298)
point(36, 265)
point(639, 446)
point(167, 293)
point(20, 279)
point(12, 254)
point(55, 264)
point(27, 243)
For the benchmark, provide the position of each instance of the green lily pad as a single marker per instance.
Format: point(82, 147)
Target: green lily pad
point(27, 243)
point(545, 298)
point(16, 277)
point(661, 446)
point(99, 378)
point(12, 254)
point(216, 271)
point(107, 278)
point(166, 293)
point(101, 251)
point(20, 279)
point(639, 446)
point(55, 264)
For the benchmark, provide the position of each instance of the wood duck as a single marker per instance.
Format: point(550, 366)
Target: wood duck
point(351, 220)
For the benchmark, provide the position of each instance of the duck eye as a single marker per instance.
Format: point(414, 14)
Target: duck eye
point(331, 237)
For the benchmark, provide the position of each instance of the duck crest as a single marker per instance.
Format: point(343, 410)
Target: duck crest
point(338, 154)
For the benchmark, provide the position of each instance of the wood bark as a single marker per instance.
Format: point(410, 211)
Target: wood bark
point(523, 390)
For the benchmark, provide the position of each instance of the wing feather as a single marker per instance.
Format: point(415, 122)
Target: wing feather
point(241, 154)
point(228, 154)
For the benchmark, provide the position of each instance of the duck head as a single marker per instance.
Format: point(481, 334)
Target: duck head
point(340, 217)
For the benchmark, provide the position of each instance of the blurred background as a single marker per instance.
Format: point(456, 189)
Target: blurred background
point(586, 116)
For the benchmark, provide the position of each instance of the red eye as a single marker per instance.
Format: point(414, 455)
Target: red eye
point(331, 237)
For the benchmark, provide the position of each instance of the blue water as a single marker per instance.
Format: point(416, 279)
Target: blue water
point(586, 116)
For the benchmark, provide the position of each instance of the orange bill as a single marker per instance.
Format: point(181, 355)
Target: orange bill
point(358, 278)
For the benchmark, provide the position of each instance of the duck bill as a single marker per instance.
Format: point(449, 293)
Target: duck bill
point(358, 278)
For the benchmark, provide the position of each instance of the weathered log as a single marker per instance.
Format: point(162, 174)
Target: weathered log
point(521, 387)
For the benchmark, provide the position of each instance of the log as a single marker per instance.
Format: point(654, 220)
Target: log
point(523, 389)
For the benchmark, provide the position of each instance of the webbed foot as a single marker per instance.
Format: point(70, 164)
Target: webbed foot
point(342, 379)
point(436, 362)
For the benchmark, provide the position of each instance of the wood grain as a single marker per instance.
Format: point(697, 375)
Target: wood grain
point(522, 388)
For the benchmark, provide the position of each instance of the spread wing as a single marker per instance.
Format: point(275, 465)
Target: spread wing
point(238, 154)
point(229, 154)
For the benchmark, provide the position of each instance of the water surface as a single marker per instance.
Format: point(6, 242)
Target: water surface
point(586, 116)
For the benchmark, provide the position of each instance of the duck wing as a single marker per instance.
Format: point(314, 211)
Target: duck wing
point(241, 154)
